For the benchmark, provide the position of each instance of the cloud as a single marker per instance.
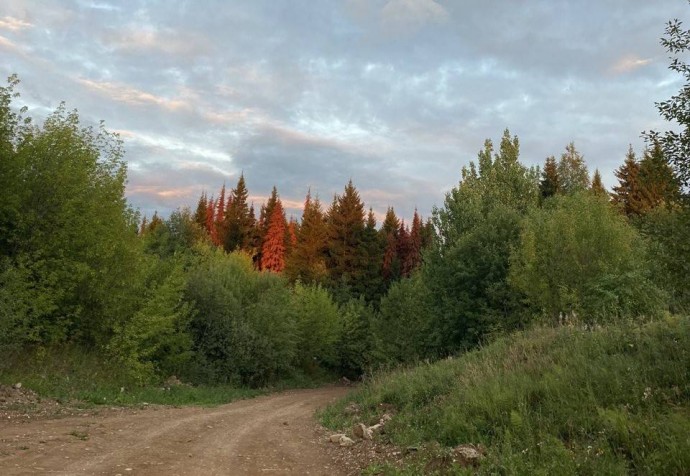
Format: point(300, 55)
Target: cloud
point(408, 16)
point(628, 64)
point(147, 39)
point(13, 24)
point(132, 96)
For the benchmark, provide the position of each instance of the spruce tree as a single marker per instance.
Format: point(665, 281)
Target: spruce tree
point(597, 187)
point(549, 184)
point(201, 208)
point(273, 248)
point(658, 183)
point(572, 171)
point(346, 258)
point(306, 261)
point(372, 282)
point(240, 221)
point(627, 194)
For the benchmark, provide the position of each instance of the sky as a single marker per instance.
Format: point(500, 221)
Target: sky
point(395, 95)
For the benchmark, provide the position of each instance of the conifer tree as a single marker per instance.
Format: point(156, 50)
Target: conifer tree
point(155, 222)
point(307, 262)
point(572, 171)
point(390, 223)
point(658, 183)
point(372, 282)
point(414, 256)
point(404, 249)
point(346, 259)
point(144, 225)
point(427, 234)
point(219, 215)
point(263, 223)
point(627, 194)
point(240, 221)
point(597, 187)
point(549, 184)
point(391, 263)
point(210, 225)
point(201, 208)
point(273, 248)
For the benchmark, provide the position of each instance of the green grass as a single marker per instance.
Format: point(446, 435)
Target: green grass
point(615, 400)
point(72, 376)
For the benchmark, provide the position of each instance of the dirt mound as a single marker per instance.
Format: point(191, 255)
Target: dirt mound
point(17, 401)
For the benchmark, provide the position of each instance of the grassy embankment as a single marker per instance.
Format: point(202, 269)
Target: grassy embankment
point(615, 400)
point(82, 380)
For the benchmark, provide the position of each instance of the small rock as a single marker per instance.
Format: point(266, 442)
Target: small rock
point(335, 438)
point(468, 455)
point(345, 441)
point(17, 386)
point(375, 429)
point(358, 430)
point(352, 409)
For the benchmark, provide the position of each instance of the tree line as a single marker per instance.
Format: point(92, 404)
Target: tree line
point(341, 248)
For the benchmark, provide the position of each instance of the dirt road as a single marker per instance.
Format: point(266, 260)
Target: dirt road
point(274, 434)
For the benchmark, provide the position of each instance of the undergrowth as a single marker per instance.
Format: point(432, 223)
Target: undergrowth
point(613, 400)
point(83, 379)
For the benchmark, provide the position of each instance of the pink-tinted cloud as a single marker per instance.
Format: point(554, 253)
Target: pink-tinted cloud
point(628, 64)
point(13, 24)
point(132, 96)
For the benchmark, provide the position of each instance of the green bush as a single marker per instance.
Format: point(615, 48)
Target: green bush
point(318, 327)
point(578, 255)
point(244, 329)
point(404, 324)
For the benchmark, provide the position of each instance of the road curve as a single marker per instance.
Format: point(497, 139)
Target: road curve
point(273, 434)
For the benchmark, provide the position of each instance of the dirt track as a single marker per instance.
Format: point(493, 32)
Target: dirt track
point(274, 434)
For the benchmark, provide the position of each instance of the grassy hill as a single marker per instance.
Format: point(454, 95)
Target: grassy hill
point(613, 400)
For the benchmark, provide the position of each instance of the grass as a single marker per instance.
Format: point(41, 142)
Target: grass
point(72, 376)
point(614, 400)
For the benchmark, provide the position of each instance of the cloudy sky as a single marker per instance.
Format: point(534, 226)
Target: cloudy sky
point(396, 95)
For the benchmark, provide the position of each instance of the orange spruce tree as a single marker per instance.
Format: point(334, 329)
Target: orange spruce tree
point(273, 249)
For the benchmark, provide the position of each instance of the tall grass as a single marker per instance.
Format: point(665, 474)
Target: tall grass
point(71, 375)
point(614, 400)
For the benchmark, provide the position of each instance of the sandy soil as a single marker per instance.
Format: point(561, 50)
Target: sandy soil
point(274, 434)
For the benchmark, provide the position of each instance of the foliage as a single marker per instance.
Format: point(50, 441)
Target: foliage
point(404, 324)
point(578, 256)
point(676, 145)
point(572, 171)
point(69, 240)
point(307, 262)
point(243, 329)
point(318, 327)
point(155, 341)
point(346, 260)
point(356, 342)
point(668, 232)
point(467, 268)
point(615, 400)
point(76, 377)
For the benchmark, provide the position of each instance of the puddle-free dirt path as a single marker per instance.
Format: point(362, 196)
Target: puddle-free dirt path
point(271, 435)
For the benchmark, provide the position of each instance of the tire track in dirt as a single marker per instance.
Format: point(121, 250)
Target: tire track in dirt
point(274, 434)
